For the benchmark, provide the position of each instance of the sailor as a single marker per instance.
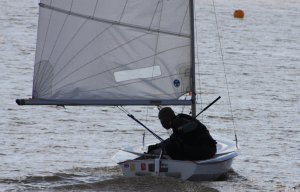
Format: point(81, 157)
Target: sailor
point(190, 139)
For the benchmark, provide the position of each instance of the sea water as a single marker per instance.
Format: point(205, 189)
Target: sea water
point(252, 63)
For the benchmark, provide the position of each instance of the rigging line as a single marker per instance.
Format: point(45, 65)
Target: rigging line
point(181, 28)
point(198, 61)
point(132, 117)
point(119, 67)
point(139, 122)
point(183, 107)
point(123, 110)
point(224, 68)
point(42, 53)
point(147, 114)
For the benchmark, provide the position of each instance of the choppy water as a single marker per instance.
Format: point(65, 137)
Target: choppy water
point(56, 149)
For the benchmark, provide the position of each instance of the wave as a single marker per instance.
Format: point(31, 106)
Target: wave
point(111, 179)
point(85, 179)
point(147, 184)
point(71, 178)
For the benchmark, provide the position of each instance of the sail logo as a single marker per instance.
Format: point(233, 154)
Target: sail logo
point(176, 83)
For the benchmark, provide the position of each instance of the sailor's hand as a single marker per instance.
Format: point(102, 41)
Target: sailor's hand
point(152, 148)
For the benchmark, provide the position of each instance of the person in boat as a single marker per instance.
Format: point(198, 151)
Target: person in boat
point(190, 139)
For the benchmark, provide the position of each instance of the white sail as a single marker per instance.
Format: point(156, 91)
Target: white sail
point(113, 50)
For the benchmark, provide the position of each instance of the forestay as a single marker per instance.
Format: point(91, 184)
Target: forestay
point(112, 52)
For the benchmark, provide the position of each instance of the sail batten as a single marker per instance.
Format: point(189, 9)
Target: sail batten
point(86, 51)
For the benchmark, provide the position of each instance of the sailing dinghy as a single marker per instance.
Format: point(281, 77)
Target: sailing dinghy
point(135, 162)
point(117, 53)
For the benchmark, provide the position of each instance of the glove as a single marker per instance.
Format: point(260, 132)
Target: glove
point(152, 148)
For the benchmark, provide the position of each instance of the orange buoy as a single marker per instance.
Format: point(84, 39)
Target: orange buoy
point(238, 14)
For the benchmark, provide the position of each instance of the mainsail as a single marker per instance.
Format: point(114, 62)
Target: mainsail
point(113, 52)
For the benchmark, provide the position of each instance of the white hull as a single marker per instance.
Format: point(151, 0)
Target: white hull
point(132, 164)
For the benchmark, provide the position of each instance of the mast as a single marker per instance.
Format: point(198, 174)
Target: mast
point(193, 76)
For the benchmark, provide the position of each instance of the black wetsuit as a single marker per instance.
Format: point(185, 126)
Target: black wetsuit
point(190, 140)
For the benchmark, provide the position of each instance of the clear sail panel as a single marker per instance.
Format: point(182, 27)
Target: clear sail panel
point(113, 50)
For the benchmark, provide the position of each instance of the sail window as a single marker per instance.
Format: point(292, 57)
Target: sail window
point(141, 73)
